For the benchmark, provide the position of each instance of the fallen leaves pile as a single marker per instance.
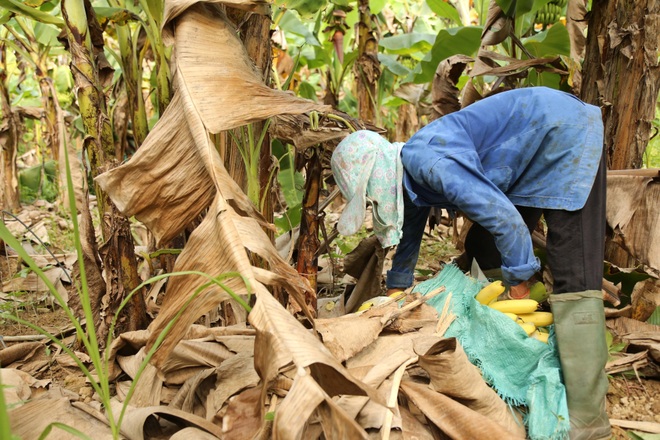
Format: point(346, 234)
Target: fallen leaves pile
point(387, 372)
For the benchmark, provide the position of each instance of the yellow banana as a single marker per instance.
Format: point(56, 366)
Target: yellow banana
point(513, 316)
point(543, 337)
point(517, 306)
point(528, 327)
point(490, 293)
point(539, 319)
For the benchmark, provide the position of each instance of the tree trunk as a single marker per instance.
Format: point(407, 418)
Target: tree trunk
point(9, 195)
point(118, 250)
point(308, 242)
point(621, 75)
point(367, 66)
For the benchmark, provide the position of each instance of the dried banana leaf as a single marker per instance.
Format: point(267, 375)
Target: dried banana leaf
point(220, 78)
point(633, 211)
point(452, 418)
point(173, 8)
point(165, 185)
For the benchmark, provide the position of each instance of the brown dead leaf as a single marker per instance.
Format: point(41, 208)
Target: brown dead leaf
point(196, 433)
point(387, 345)
point(15, 387)
point(243, 418)
point(514, 67)
point(232, 376)
point(304, 400)
point(453, 375)
point(213, 248)
point(497, 27)
point(638, 334)
point(226, 88)
point(282, 340)
point(365, 263)
point(375, 376)
point(33, 283)
point(159, 174)
point(422, 316)
point(135, 420)
point(32, 418)
point(148, 389)
point(64, 360)
point(645, 340)
point(190, 397)
point(211, 94)
point(173, 8)
point(627, 362)
point(349, 334)
point(445, 94)
point(624, 194)
point(412, 428)
point(454, 419)
point(20, 352)
point(633, 211)
point(297, 130)
point(645, 299)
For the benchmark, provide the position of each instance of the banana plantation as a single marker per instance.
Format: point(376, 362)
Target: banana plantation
point(169, 254)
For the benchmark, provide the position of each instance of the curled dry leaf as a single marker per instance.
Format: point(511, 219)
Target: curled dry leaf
point(633, 210)
point(226, 88)
point(453, 418)
point(305, 399)
point(165, 185)
point(282, 340)
point(497, 27)
point(444, 92)
point(452, 374)
point(178, 172)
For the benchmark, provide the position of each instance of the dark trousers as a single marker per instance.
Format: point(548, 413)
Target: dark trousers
point(575, 240)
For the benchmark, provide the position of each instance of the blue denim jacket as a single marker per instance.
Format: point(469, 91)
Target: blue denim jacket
point(534, 147)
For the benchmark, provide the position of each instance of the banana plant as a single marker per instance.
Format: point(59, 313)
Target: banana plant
point(9, 132)
point(118, 250)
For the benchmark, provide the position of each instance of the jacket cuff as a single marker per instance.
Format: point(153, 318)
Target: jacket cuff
point(515, 275)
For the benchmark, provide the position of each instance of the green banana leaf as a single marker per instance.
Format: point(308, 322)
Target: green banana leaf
point(24, 10)
point(406, 44)
point(553, 41)
point(445, 10)
point(461, 40)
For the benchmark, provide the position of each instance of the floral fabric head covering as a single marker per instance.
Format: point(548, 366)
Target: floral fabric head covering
point(367, 168)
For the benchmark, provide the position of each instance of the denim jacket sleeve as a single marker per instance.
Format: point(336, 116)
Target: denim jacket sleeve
point(461, 179)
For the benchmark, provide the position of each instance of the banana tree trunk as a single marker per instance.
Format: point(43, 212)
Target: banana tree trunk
point(308, 242)
point(9, 195)
point(118, 250)
point(367, 66)
point(622, 76)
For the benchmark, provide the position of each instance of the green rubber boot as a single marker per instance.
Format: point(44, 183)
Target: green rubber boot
point(580, 329)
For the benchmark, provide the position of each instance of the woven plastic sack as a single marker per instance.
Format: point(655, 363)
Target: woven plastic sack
point(523, 370)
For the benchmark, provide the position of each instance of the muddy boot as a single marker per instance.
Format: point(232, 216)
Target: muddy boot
point(580, 330)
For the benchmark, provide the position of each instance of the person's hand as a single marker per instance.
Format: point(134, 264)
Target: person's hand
point(519, 291)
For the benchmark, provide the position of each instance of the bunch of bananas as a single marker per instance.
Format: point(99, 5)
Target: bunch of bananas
point(550, 13)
